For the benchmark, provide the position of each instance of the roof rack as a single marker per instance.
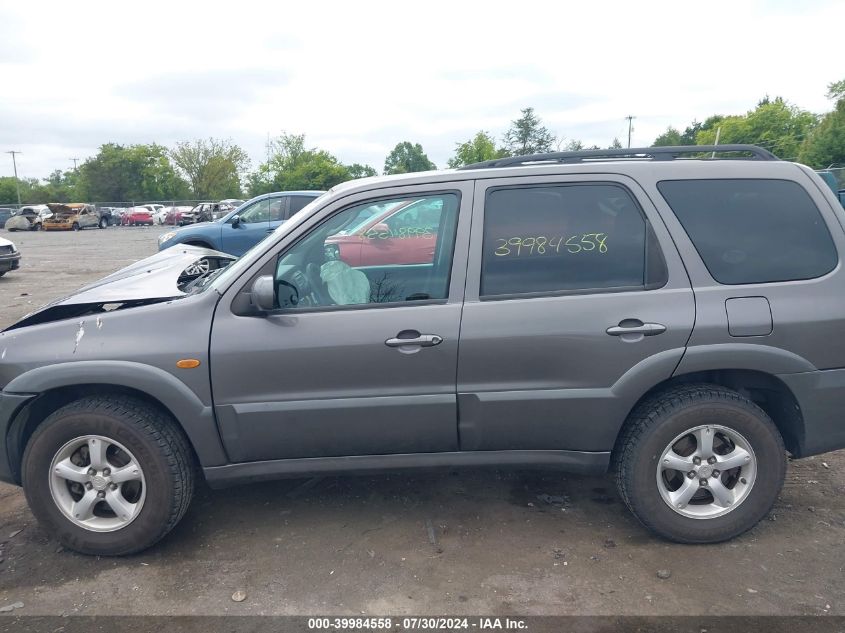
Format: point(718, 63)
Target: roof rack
point(635, 153)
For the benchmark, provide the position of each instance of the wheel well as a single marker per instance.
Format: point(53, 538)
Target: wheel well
point(765, 390)
point(39, 409)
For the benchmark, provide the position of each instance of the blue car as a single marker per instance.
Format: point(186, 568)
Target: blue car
point(241, 229)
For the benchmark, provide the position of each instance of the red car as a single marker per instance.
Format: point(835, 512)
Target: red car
point(403, 233)
point(135, 216)
point(174, 215)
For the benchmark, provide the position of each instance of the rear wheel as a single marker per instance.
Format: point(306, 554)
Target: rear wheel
point(108, 476)
point(103, 223)
point(700, 464)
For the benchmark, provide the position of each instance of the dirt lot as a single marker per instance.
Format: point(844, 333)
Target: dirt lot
point(469, 542)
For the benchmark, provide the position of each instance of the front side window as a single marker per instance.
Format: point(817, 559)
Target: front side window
point(752, 230)
point(558, 238)
point(365, 255)
point(258, 212)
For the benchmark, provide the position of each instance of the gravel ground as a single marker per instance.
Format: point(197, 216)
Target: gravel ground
point(467, 542)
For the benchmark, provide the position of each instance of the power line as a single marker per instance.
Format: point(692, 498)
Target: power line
point(75, 160)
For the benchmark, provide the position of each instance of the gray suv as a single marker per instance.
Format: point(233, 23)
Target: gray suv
point(669, 316)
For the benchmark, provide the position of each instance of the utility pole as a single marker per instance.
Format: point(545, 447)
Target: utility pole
point(75, 160)
point(15, 167)
point(630, 128)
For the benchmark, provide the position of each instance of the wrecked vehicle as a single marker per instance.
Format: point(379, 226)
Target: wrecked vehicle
point(639, 311)
point(10, 258)
point(27, 219)
point(73, 216)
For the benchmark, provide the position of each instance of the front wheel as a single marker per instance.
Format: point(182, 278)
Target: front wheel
point(75, 226)
point(700, 464)
point(108, 475)
point(103, 223)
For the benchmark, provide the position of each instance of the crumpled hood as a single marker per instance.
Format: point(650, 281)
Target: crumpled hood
point(149, 280)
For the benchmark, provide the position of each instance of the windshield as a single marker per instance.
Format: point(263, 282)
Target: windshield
point(233, 270)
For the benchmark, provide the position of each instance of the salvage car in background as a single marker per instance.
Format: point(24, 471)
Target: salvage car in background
point(137, 216)
point(398, 234)
point(5, 214)
point(174, 215)
point(243, 227)
point(73, 216)
point(10, 258)
point(27, 219)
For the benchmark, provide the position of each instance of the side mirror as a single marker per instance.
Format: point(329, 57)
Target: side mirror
point(263, 293)
point(379, 229)
point(236, 220)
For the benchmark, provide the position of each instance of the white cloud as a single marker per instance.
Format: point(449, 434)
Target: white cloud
point(359, 77)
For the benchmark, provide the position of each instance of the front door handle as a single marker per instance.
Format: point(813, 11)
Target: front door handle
point(420, 340)
point(635, 326)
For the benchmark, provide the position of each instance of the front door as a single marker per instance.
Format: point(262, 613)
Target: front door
point(356, 360)
point(256, 222)
point(577, 303)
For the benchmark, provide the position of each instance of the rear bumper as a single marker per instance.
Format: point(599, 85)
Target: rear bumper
point(821, 396)
point(10, 262)
point(10, 406)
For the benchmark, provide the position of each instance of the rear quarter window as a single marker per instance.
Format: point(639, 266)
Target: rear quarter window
point(751, 231)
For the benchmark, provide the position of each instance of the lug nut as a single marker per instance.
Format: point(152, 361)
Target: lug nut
point(711, 460)
point(716, 473)
point(114, 486)
point(696, 460)
point(106, 472)
point(703, 482)
point(88, 485)
point(691, 474)
point(92, 472)
point(101, 494)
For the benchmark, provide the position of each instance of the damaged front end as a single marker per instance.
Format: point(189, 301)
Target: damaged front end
point(166, 276)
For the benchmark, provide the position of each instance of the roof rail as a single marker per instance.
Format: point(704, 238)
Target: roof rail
point(637, 153)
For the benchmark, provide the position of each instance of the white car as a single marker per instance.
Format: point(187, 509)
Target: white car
point(10, 258)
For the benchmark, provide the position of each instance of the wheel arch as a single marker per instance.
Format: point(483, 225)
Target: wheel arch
point(766, 390)
point(58, 385)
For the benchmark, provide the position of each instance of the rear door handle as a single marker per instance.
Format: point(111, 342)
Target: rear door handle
point(636, 327)
point(421, 340)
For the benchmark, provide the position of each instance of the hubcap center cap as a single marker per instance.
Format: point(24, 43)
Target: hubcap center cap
point(705, 470)
point(99, 482)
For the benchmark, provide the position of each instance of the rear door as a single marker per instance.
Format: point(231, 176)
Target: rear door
point(577, 302)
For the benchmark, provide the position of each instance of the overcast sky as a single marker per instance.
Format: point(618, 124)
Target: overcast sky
point(358, 77)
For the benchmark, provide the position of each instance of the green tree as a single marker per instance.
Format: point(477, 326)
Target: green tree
point(774, 124)
point(825, 145)
point(213, 167)
point(670, 137)
point(357, 170)
point(479, 148)
point(406, 158)
point(615, 144)
point(527, 135)
point(126, 174)
point(292, 167)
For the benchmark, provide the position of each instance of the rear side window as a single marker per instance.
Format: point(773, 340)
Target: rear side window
point(297, 203)
point(559, 238)
point(751, 231)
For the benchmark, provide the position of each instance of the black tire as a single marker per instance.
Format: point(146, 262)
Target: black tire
point(75, 226)
point(160, 448)
point(657, 421)
point(103, 223)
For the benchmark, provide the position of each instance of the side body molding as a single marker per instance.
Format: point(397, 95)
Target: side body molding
point(195, 417)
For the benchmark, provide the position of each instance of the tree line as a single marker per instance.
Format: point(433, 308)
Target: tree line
point(214, 169)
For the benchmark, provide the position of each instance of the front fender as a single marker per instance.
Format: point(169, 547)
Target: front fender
point(195, 417)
